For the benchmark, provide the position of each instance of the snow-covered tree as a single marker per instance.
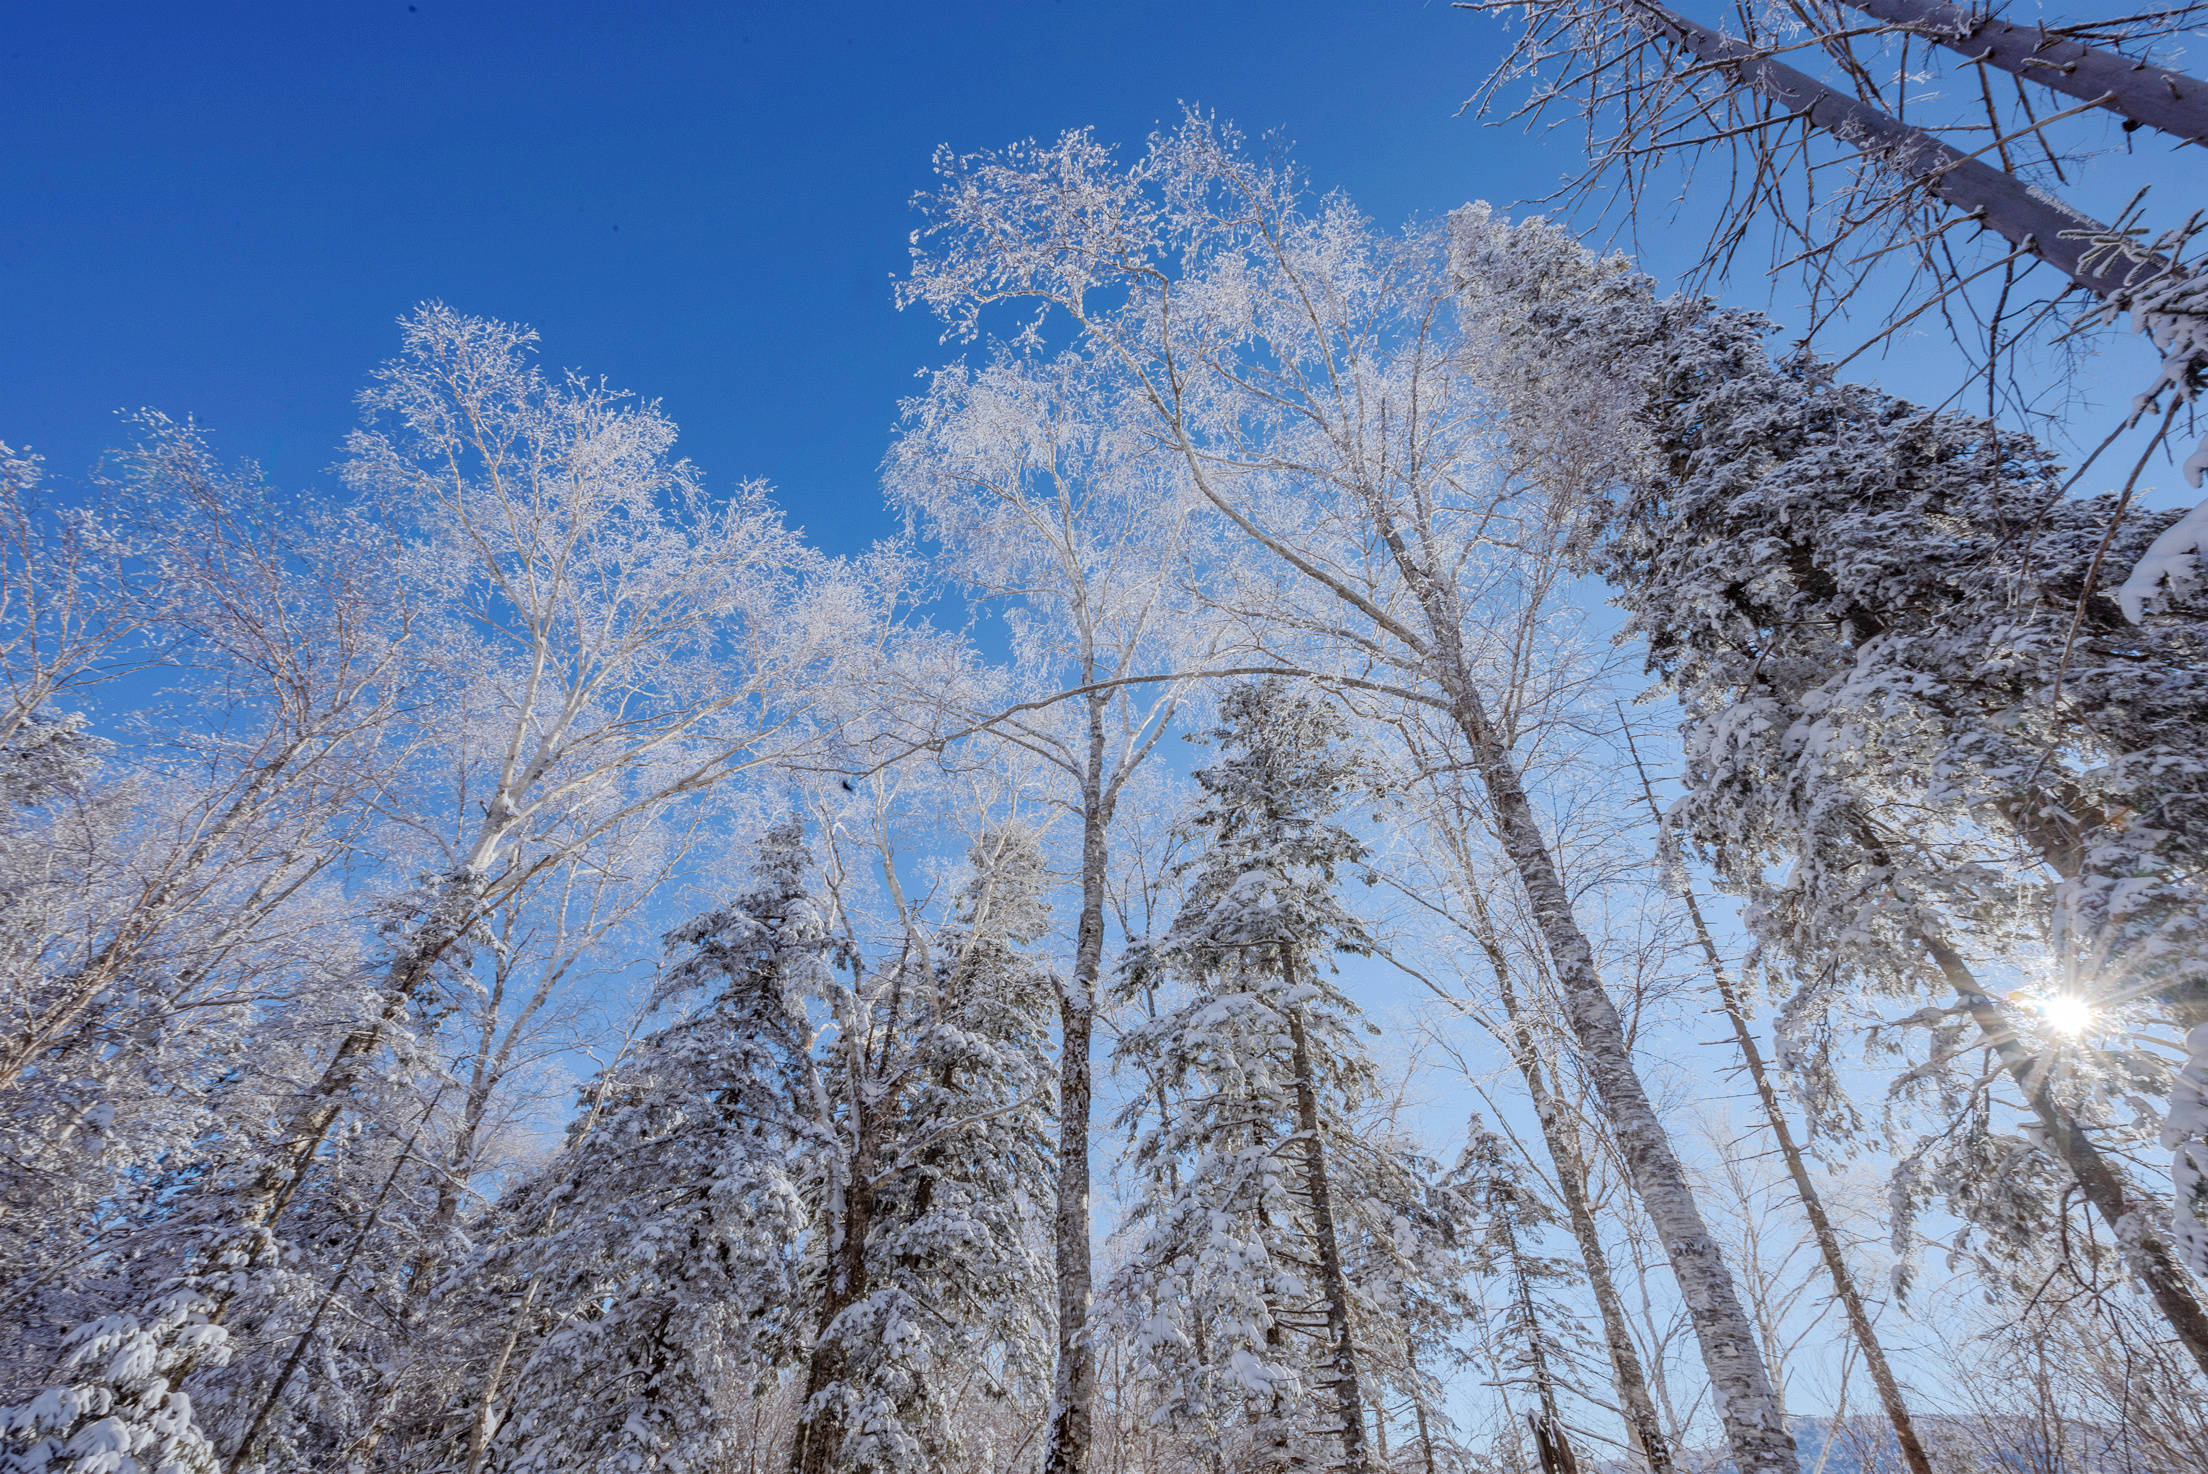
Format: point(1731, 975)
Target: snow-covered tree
point(665, 1250)
point(1903, 683)
point(1043, 496)
point(1313, 378)
point(822, 1173)
point(1279, 1239)
point(1857, 171)
point(1871, 614)
point(533, 632)
point(1534, 1337)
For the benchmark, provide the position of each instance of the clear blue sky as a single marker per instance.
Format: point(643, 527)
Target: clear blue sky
point(220, 209)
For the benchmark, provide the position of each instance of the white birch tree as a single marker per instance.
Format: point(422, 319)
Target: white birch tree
point(1044, 500)
point(1305, 368)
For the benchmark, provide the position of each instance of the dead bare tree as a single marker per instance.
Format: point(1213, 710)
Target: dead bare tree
point(1862, 166)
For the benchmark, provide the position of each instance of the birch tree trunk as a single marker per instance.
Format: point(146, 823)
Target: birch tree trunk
point(323, 1102)
point(1349, 1399)
point(1747, 1402)
point(1805, 1189)
point(2152, 96)
point(1073, 1385)
point(145, 919)
point(1638, 1408)
point(1755, 1432)
point(484, 1425)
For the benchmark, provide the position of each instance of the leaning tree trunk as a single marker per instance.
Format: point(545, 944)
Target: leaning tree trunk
point(1073, 1386)
point(143, 922)
point(2147, 1252)
point(2152, 96)
point(301, 1136)
point(1349, 1399)
point(2027, 217)
point(275, 1393)
point(324, 1101)
point(1638, 1408)
point(2167, 300)
point(1813, 1208)
point(1747, 1402)
point(1749, 1408)
point(1805, 1189)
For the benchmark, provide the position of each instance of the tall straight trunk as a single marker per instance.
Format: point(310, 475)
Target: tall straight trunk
point(1638, 1408)
point(2153, 96)
point(1550, 1446)
point(1754, 1430)
point(1805, 1188)
point(820, 1426)
point(1418, 1410)
point(483, 1423)
point(1747, 1402)
point(1749, 1407)
point(2146, 1251)
point(1073, 1384)
point(1349, 1399)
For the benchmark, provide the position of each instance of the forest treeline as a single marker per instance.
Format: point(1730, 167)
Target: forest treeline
point(517, 961)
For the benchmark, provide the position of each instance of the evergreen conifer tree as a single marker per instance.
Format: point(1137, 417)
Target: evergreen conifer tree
point(1282, 1238)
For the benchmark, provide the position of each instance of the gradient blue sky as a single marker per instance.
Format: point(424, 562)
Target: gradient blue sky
point(220, 209)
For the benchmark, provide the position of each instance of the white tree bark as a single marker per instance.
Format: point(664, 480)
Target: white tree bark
point(1805, 1189)
point(1747, 1403)
point(2167, 301)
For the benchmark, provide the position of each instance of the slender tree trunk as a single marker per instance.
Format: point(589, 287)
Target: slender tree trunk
point(290, 1368)
point(436, 933)
point(1642, 1425)
point(2147, 1252)
point(1418, 1410)
point(1805, 1189)
point(1813, 1208)
point(2150, 95)
point(1544, 1383)
point(1349, 1399)
point(323, 1102)
point(139, 927)
point(1073, 1385)
point(484, 1425)
point(1754, 1430)
point(1747, 1402)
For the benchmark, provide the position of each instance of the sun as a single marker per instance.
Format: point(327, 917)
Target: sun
point(2066, 1013)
